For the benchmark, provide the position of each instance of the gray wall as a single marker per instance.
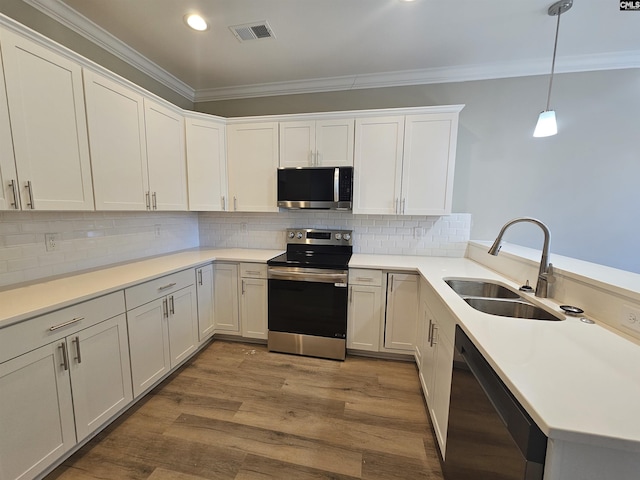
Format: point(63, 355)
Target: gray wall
point(583, 183)
point(36, 20)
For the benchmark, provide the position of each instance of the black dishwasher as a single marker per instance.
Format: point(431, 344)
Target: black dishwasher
point(490, 435)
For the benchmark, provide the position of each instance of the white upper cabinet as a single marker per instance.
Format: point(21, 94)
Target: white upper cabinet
point(252, 162)
point(115, 115)
point(317, 143)
point(48, 124)
point(428, 164)
point(137, 148)
point(404, 165)
point(9, 197)
point(165, 156)
point(378, 165)
point(206, 164)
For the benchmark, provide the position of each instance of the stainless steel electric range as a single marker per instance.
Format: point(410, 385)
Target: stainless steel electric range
point(308, 294)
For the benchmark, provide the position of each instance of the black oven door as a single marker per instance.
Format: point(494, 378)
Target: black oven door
point(308, 301)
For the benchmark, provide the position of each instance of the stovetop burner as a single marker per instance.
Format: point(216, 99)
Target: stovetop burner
point(314, 248)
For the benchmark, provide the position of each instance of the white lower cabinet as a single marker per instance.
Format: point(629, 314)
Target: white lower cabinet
point(436, 364)
point(204, 291)
point(225, 298)
point(402, 312)
point(163, 330)
point(253, 300)
point(365, 311)
point(73, 378)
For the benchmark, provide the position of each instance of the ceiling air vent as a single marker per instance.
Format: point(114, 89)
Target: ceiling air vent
point(252, 31)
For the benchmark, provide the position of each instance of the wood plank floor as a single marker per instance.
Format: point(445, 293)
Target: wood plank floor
point(237, 411)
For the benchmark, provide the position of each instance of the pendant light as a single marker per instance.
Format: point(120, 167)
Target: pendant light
point(546, 125)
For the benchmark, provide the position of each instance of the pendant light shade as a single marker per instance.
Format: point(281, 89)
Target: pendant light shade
point(547, 125)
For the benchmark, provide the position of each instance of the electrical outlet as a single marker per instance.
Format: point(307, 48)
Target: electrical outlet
point(418, 232)
point(157, 230)
point(631, 317)
point(51, 241)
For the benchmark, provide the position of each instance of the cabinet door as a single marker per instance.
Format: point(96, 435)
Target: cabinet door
point(9, 198)
point(439, 404)
point(206, 165)
point(252, 165)
point(148, 344)
point(183, 324)
point(204, 290)
point(297, 144)
point(334, 142)
point(115, 114)
point(378, 165)
point(100, 373)
point(364, 317)
point(165, 157)
point(46, 107)
point(254, 307)
point(402, 312)
point(225, 298)
point(36, 412)
point(428, 165)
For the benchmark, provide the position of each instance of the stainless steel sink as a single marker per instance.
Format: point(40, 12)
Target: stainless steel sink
point(480, 288)
point(495, 299)
point(510, 308)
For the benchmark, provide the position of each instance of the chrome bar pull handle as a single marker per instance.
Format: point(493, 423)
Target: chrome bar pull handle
point(235, 203)
point(172, 306)
point(242, 286)
point(391, 283)
point(224, 204)
point(62, 325)
point(402, 209)
point(168, 285)
point(430, 331)
point(14, 188)
point(65, 360)
point(351, 294)
point(200, 276)
point(155, 201)
point(165, 308)
point(78, 355)
point(30, 203)
point(434, 332)
point(148, 200)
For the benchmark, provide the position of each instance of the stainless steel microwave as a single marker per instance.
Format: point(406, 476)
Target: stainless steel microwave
point(324, 188)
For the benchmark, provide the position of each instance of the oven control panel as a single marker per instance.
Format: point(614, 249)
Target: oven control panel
point(312, 236)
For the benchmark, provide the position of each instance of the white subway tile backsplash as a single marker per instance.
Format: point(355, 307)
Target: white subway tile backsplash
point(87, 240)
point(442, 236)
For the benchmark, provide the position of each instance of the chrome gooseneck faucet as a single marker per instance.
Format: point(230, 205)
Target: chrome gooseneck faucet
point(545, 273)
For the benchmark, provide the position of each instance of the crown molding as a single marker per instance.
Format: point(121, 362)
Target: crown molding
point(65, 15)
point(81, 25)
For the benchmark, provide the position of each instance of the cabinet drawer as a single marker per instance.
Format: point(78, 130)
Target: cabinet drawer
point(363, 276)
point(33, 333)
point(253, 270)
point(148, 291)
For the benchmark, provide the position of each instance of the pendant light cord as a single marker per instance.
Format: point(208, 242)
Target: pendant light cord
point(553, 61)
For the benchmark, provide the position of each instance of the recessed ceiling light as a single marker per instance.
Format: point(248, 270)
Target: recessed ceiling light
point(196, 22)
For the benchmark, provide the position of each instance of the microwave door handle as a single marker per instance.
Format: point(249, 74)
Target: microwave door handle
point(336, 185)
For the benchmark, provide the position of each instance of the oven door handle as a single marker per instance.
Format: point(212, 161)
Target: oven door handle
point(340, 279)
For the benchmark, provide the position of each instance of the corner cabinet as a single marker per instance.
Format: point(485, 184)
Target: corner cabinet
point(206, 163)
point(252, 161)
point(48, 125)
point(404, 164)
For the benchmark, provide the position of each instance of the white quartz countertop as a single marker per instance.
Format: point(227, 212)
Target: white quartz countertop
point(35, 299)
point(579, 382)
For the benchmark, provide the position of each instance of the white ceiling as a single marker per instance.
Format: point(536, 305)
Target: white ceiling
point(324, 45)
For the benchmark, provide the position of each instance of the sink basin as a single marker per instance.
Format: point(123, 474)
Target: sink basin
point(510, 308)
point(480, 288)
